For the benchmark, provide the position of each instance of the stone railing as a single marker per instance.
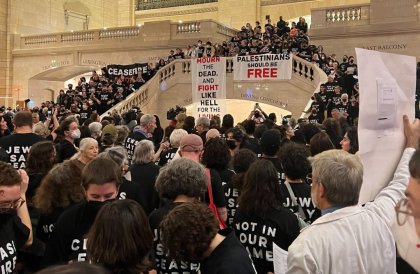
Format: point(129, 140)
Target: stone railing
point(186, 30)
point(302, 72)
point(340, 16)
point(159, 4)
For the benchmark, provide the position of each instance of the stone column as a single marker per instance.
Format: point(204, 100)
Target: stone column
point(5, 55)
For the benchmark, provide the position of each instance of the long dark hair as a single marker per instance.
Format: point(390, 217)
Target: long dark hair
point(41, 158)
point(125, 252)
point(261, 190)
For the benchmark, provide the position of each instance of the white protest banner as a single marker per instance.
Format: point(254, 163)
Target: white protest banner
point(262, 67)
point(387, 85)
point(209, 86)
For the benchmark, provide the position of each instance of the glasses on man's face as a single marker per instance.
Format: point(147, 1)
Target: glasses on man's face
point(7, 206)
point(403, 211)
point(309, 179)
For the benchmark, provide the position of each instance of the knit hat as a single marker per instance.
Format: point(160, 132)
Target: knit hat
point(110, 129)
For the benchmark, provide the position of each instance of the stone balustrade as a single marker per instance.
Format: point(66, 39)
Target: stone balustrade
point(340, 16)
point(304, 73)
point(148, 32)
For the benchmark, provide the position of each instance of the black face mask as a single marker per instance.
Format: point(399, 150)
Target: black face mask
point(95, 206)
point(7, 211)
point(231, 144)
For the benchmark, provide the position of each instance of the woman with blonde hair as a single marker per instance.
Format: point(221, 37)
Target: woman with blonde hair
point(88, 150)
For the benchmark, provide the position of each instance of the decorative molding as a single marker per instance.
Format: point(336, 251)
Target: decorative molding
point(279, 2)
point(160, 4)
point(179, 12)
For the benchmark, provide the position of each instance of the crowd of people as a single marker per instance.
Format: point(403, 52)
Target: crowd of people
point(201, 195)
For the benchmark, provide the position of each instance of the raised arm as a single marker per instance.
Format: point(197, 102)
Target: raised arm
point(386, 200)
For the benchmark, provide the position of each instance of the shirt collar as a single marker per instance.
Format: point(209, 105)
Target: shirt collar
point(330, 210)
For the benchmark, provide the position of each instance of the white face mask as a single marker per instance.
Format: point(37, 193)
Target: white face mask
point(408, 242)
point(75, 134)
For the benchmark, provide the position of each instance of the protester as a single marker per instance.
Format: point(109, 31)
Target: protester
point(126, 252)
point(294, 160)
point(67, 133)
point(369, 244)
point(191, 147)
point(15, 224)
point(100, 181)
point(58, 191)
point(144, 172)
point(147, 127)
point(180, 181)
point(350, 142)
point(18, 144)
point(174, 139)
point(261, 219)
point(218, 252)
point(88, 150)
point(41, 158)
point(240, 162)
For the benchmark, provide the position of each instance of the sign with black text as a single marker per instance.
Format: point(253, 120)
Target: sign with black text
point(262, 67)
point(209, 86)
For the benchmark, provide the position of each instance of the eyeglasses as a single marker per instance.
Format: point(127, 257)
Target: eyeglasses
point(309, 179)
point(7, 206)
point(403, 211)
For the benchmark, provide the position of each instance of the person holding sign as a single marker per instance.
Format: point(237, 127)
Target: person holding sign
point(351, 236)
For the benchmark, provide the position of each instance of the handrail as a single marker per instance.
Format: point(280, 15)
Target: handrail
point(302, 70)
point(147, 32)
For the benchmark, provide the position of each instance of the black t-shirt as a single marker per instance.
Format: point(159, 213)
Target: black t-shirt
point(228, 257)
point(164, 264)
point(13, 236)
point(46, 224)
point(277, 165)
point(207, 51)
point(217, 189)
point(65, 150)
point(131, 142)
point(200, 51)
point(167, 156)
point(258, 232)
point(145, 176)
point(315, 118)
point(231, 195)
point(243, 50)
point(302, 192)
point(342, 108)
point(254, 50)
point(84, 115)
point(17, 146)
point(130, 190)
point(330, 86)
point(68, 240)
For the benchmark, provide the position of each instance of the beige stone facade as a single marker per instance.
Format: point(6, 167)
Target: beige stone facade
point(382, 25)
point(44, 43)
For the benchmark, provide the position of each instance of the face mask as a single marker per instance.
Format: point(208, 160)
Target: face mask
point(407, 242)
point(75, 134)
point(7, 211)
point(231, 144)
